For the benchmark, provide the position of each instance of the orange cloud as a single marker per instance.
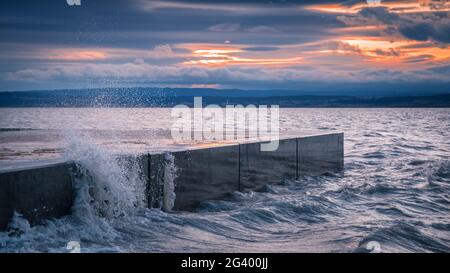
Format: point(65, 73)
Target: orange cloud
point(220, 56)
point(395, 7)
point(86, 54)
point(407, 48)
point(74, 55)
point(385, 53)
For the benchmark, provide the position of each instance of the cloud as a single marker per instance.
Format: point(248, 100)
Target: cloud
point(262, 29)
point(75, 55)
point(261, 48)
point(423, 26)
point(225, 27)
point(233, 7)
point(275, 43)
point(401, 7)
point(234, 27)
point(340, 46)
point(141, 72)
point(425, 30)
point(388, 53)
point(161, 51)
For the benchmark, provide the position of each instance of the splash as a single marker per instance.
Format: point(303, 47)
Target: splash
point(170, 174)
point(18, 225)
point(115, 184)
point(400, 200)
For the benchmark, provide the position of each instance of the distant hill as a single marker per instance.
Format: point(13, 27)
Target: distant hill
point(166, 97)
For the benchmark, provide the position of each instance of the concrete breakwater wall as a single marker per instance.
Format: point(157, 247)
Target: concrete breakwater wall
point(212, 173)
point(37, 194)
point(179, 180)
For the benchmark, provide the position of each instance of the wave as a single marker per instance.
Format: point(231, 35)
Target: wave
point(442, 172)
point(376, 155)
point(108, 189)
point(403, 237)
point(393, 197)
point(380, 189)
point(17, 129)
point(117, 185)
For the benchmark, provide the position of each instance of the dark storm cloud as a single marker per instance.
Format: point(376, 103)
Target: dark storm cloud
point(122, 23)
point(137, 42)
point(415, 26)
point(424, 31)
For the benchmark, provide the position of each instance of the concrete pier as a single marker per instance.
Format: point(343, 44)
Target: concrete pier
point(212, 173)
point(320, 154)
point(259, 168)
point(196, 175)
point(202, 174)
point(37, 194)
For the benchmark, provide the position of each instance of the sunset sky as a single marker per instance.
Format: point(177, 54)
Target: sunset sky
point(286, 44)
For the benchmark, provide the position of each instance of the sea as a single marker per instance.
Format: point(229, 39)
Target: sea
point(392, 196)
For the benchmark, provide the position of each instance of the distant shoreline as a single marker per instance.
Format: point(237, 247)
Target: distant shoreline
point(438, 101)
point(155, 98)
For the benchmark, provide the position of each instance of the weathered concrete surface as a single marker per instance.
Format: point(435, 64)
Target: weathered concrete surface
point(37, 194)
point(321, 154)
point(5, 204)
point(212, 173)
point(202, 174)
point(155, 188)
point(205, 174)
point(258, 168)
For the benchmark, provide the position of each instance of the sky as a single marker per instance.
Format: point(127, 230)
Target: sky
point(296, 45)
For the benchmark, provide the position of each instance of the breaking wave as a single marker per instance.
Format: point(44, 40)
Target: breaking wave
point(391, 198)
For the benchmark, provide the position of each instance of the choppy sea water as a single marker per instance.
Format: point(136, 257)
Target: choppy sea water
point(394, 190)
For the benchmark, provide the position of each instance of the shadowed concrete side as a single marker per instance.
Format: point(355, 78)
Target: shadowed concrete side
point(6, 210)
point(200, 175)
point(47, 192)
point(212, 173)
point(321, 154)
point(205, 174)
point(155, 188)
point(37, 194)
point(259, 168)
